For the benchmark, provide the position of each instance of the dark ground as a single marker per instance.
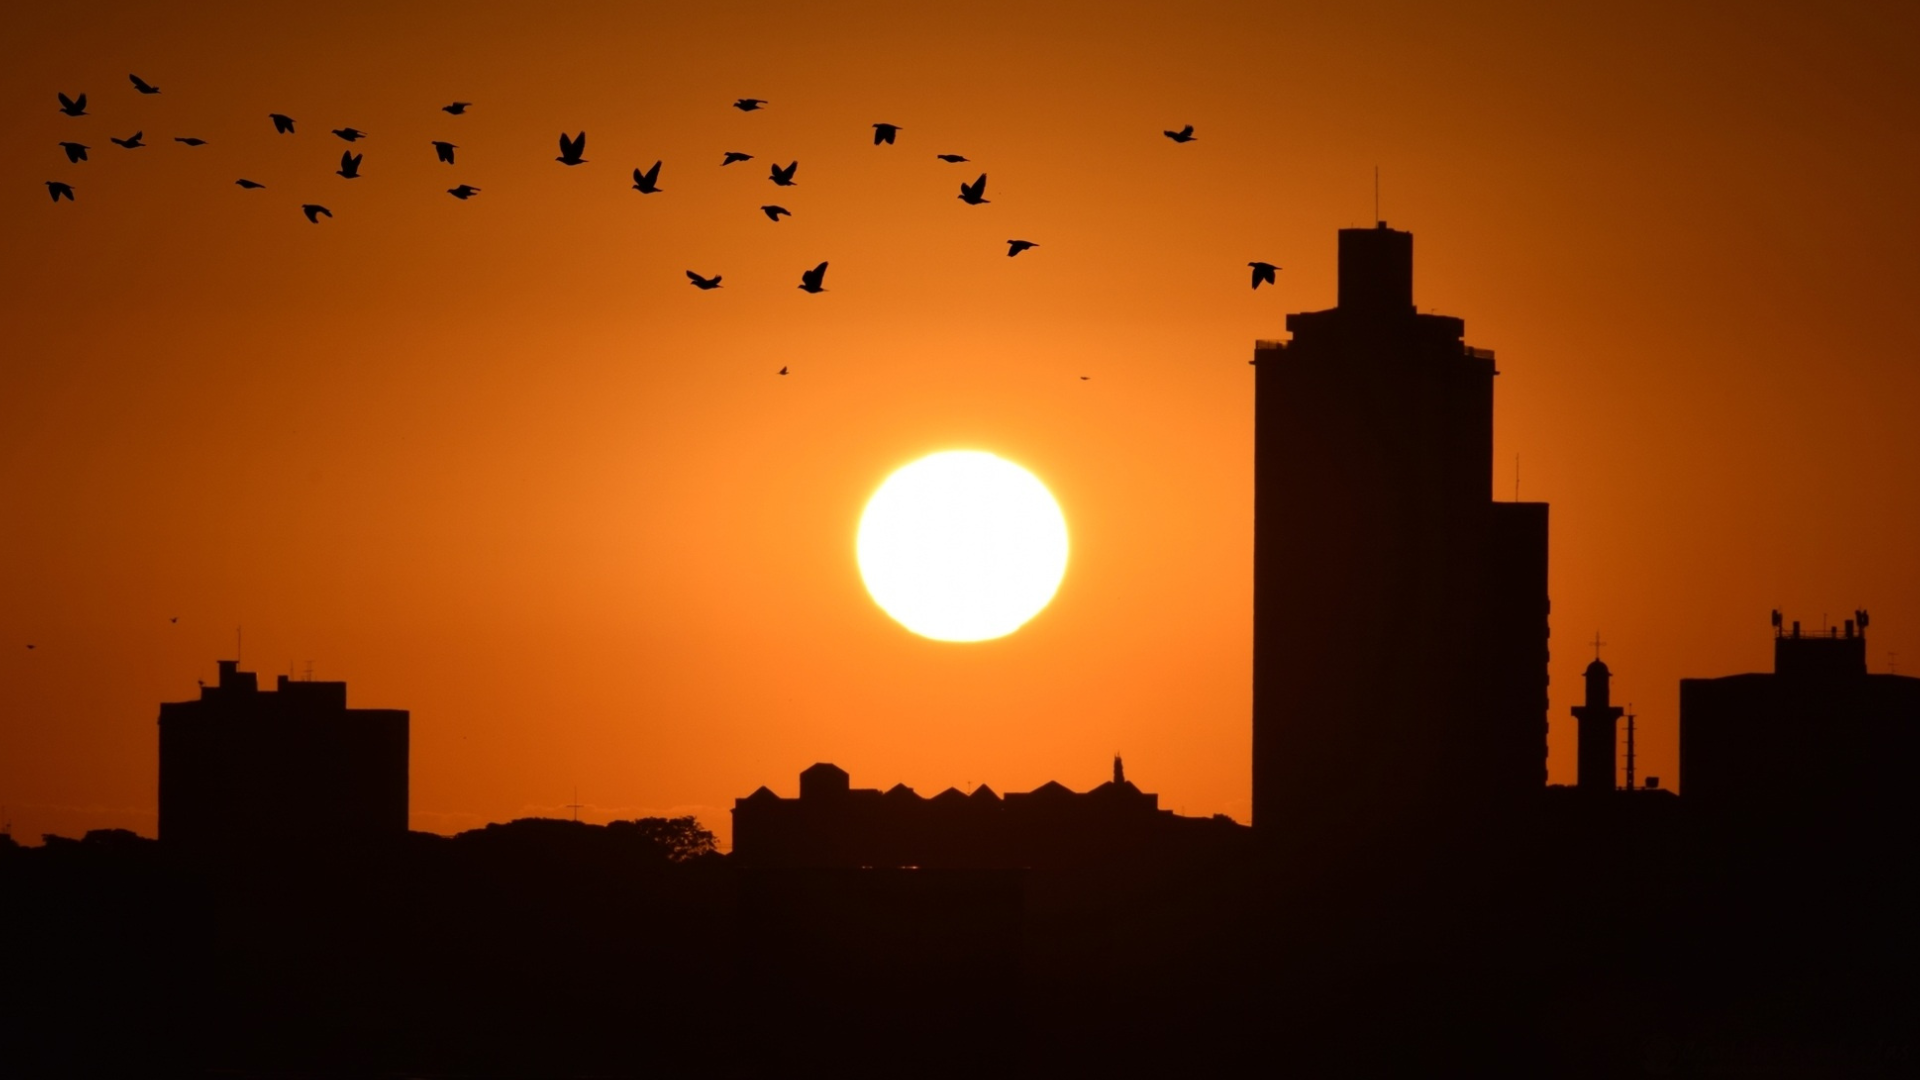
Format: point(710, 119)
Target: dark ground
point(1615, 938)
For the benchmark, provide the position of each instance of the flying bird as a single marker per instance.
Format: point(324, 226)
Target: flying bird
point(951, 159)
point(647, 183)
point(1263, 271)
point(282, 124)
point(189, 140)
point(884, 133)
point(73, 106)
point(1084, 378)
point(748, 104)
point(784, 177)
point(463, 192)
point(176, 618)
point(1184, 135)
point(132, 142)
point(444, 151)
point(782, 371)
point(250, 184)
point(971, 194)
point(75, 151)
point(703, 283)
point(773, 213)
point(571, 149)
point(143, 85)
point(313, 212)
point(350, 134)
point(1015, 247)
point(458, 108)
point(812, 280)
point(350, 164)
point(56, 189)
point(733, 156)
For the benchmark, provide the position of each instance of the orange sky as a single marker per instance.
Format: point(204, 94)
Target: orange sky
point(497, 463)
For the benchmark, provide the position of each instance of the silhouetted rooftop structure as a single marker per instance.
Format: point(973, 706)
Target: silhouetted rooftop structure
point(1819, 739)
point(294, 764)
point(833, 824)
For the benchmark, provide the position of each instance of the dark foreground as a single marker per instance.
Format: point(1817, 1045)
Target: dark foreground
point(1600, 940)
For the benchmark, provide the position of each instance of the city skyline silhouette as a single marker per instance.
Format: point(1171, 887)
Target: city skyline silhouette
point(440, 632)
point(430, 450)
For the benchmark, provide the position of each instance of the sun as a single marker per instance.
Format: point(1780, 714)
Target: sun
point(962, 546)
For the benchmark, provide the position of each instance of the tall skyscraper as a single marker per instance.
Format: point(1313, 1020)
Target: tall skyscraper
point(1400, 613)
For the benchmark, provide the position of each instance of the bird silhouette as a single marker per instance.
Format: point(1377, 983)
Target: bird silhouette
point(1084, 378)
point(1263, 271)
point(73, 106)
point(176, 618)
point(313, 212)
point(571, 149)
point(951, 159)
point(1015, 247)
point(647, 183)
point(56, 189)
point(250, 184)
point(782, 371)
point(458, 108)
point(350, 134)
point(784, 177)
point(884, 133)
point(143, 85)
point(132, 142)
point(463, 192)
point(189, 140)
point(29, 647)
point(748, 104)
point(733, 156)
point(282, 123)
point(703, 283)
point(444, 151)
point(971, 194)
point(773, 213)
point(75, 151)
point(812, 281)
point(350, 164)
point(1184, 135)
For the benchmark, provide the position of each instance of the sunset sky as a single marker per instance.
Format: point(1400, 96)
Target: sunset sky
point(498, 463)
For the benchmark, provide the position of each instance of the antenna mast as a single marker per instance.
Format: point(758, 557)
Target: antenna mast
point(1629, 746)
point(1376, 194)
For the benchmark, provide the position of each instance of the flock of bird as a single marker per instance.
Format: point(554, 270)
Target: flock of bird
point(573, 152)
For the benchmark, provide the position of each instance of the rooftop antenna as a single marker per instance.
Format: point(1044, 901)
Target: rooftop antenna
point(236, 646)
point(575, 804)
point(1376, 194)
point(1629, 746)
point(309, 671)
point(1516, 478)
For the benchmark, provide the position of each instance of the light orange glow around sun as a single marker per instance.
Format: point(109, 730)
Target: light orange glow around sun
point(962, 546)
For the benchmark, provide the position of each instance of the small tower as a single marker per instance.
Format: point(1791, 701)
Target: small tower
point(1119, 770)
point(1598, 731)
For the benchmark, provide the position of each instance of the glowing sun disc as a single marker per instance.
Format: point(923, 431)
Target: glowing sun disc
point(962, 546)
